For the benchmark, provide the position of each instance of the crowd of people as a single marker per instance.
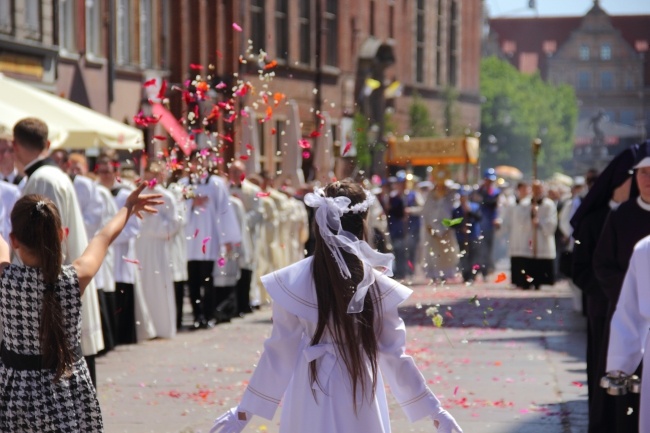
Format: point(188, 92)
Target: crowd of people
point(216, 232)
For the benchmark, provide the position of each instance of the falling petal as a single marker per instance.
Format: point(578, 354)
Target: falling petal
point(236, 27)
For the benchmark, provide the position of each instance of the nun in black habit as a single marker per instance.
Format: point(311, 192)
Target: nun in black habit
point(613, 187)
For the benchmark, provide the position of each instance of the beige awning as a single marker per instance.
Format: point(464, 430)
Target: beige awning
point(72, 126)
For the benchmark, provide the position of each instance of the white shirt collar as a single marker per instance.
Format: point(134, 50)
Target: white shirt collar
point(613, 205)
point(642, 204)
point(40, 158)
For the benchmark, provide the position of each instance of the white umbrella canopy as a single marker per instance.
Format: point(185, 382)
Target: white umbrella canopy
point(10, 115)
point(71, 125)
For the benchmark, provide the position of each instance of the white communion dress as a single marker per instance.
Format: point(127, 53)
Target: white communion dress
point(327, 406)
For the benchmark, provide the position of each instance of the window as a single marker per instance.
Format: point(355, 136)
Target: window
point(7, 16)
point(282, 29)
point(419, 42)
point(606, 80)
point(628, 117)
point(258, 29)
point(123, 46)
point(605, 52)
point(584, 80)
point(453, 44)
point(146, 31)
point(165, 30)
point(305, 31)
point(33, 19)
point(67, 37)
point(93, 28)
point(331, 25)
point(584, 52)
point(438, 44)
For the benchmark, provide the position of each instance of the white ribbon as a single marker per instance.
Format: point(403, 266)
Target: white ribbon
point(328, 217)
point(326, 352)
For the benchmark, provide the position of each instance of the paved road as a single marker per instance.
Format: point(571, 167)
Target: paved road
point(505, 361)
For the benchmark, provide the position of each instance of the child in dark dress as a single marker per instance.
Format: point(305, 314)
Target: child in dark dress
point(44, 380)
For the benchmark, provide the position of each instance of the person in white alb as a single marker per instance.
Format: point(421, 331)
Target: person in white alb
point(153, 250)
point(211, 231)
point(179, 244)
point(9, 195)
point(31, 146)
point(327, 360)
point(131, 313)
point(89, 201)
point(8, 171)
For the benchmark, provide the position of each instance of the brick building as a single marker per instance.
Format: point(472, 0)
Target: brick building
point(604, 58)
point(99, 53)
point(325, 49)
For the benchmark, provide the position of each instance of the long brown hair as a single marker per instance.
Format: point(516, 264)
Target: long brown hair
point(36, 225)
point(353, 334)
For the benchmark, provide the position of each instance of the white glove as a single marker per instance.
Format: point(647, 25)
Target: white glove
point(233, 421)
point(445, 423)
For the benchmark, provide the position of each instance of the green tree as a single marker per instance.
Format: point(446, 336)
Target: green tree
point(519, 107)
point(420, 119)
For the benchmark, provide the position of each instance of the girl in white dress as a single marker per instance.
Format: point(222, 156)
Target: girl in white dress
point(336, 335)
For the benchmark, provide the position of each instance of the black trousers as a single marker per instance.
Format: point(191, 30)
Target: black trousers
point(125, 314)
point(244, 291)
point(199, 273)
point(90, 361)
point(179, 290)
point(106, 311)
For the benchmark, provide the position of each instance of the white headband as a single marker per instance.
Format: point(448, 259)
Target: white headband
point(328, 217)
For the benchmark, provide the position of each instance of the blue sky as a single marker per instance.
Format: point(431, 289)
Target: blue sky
point(518, 8)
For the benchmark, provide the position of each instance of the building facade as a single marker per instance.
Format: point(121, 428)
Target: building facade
point(604, 58)
point(100, 52)
point(28, 48)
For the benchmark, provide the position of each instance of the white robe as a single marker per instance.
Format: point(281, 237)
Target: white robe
point(126, 271)
point(53, 183)
point(522, 233)
point(629, 336)
point(152, 249)
point(9, 195)
point(178, 249)
point(228, 273)
point(283, 369)
point(212, 225)
point(265, 247)
point(90, 203)
point(105, 278)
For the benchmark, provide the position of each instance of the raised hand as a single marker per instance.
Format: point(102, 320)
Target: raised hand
point(137, 203)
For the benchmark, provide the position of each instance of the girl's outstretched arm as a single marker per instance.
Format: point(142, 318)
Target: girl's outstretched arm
point(89, 262)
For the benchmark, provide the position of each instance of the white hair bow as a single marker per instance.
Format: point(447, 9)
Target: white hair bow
point(328, 217)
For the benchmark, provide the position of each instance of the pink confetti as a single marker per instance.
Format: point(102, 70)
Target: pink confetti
point(66, 230)
point(152, 183)
point(455, 390)
point(347, 148)
point(134, 261)
point(305, 144)
point(221, 85)
point(236, 27)
point(221, 262)
point(263, 194)
point(305, 155)
point(196, 233)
